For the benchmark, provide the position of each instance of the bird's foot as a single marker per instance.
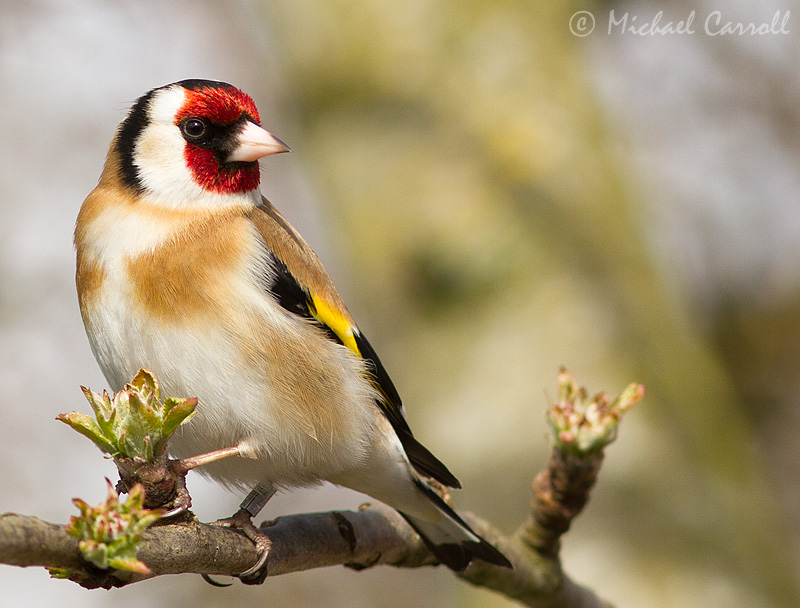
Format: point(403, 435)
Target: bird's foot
point(243, 520)
point(179, 468)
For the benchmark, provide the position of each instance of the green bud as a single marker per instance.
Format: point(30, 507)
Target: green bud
point(133, 423)
point(584, 426)
point(111, 532)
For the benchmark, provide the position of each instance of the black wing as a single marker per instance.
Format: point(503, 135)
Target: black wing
point(294, 298)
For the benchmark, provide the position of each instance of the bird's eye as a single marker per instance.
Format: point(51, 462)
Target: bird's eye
point(193, 128)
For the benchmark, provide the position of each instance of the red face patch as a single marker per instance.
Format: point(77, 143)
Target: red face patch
point(222, 106)
point(221, 179)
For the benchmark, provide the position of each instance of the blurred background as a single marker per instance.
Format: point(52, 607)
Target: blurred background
point(495, 197)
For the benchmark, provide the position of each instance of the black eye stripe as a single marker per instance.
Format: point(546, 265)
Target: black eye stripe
point(221, 140)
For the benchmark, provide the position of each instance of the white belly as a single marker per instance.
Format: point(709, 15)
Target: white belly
point(241, 400)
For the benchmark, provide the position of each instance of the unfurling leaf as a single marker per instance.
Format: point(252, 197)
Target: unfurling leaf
point(135, 422)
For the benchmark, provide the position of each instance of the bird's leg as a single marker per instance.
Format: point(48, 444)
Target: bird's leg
point(179, 468)
point(243, 520)
point(184, 465)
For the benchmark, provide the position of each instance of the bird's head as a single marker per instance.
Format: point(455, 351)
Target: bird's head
point(194, 142)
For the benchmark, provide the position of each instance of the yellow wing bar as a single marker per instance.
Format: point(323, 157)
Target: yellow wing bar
point(333, 318)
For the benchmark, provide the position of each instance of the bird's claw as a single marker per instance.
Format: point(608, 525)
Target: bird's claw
point(179, 510)
point(256, 574)
point(243, 521)
point(207, 578)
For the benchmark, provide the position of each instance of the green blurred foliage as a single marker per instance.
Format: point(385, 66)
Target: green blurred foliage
point(492, 237)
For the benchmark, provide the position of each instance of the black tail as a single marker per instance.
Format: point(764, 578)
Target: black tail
point(456, 544)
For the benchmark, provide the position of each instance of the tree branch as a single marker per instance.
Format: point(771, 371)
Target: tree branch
point(375, 534)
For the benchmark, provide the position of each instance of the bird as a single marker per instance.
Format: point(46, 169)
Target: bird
point(184, 268)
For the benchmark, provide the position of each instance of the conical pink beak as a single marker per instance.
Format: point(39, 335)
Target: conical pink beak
point(255, 143)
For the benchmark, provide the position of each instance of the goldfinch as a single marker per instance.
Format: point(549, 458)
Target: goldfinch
point(185, 269)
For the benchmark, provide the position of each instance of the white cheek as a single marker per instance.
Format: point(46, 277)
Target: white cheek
point(162, 165)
